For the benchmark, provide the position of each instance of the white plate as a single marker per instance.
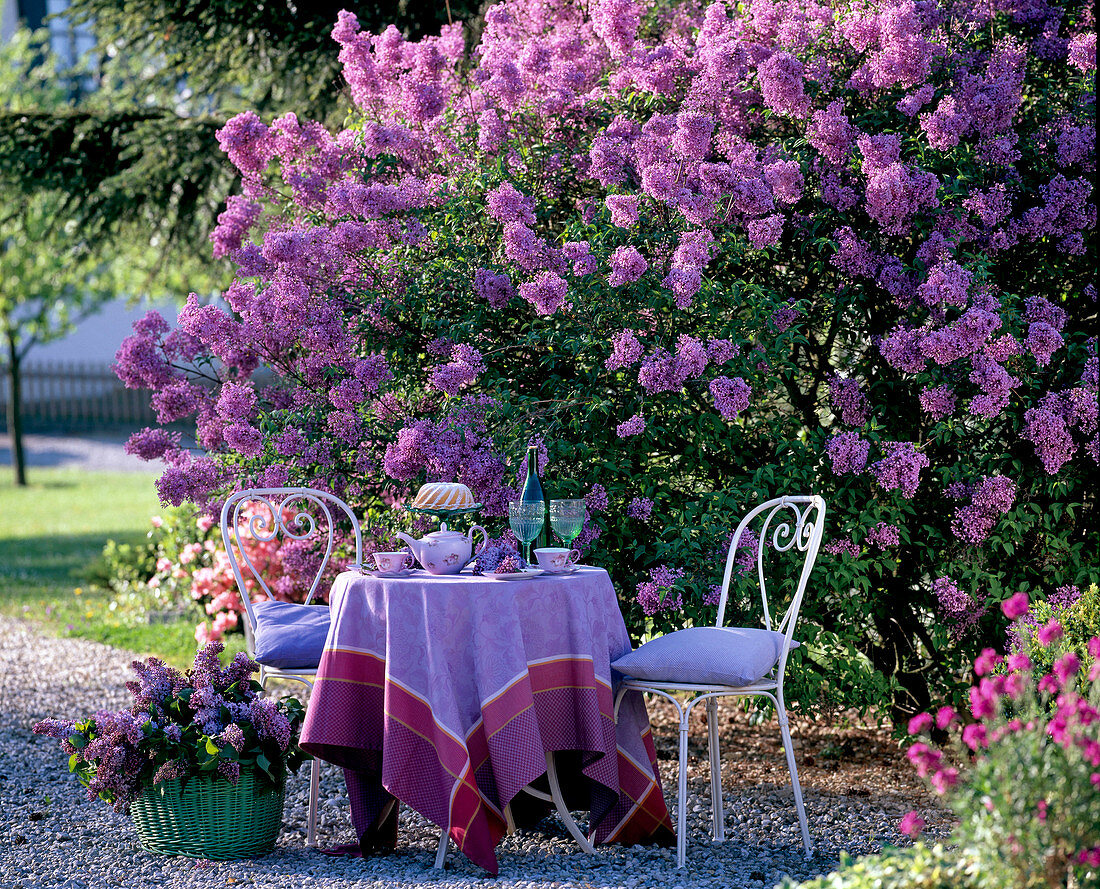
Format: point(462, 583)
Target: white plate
point(371, 572)
point(515, 575)
point(568, 570)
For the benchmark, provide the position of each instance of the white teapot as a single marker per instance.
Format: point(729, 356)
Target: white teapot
point(445, 551)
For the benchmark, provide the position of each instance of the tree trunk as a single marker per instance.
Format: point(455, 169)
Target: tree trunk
point(15, 413)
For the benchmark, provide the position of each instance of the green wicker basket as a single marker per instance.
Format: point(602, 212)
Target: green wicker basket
point(209, 817)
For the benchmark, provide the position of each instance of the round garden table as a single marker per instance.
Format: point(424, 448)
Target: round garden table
point(448, 692)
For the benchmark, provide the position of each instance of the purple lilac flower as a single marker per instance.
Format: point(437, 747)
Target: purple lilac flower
point(465, 366)
point(831, 132)
point(634, 426)
point(900, 468)
point(902, 349)
point(269, 722)
point(507, 205)
point(175, 768)
point(245, 439)
point(960, 608)
point(843, 547)
point(996, 386)
point(546, 293)
point(992, 497)
point(627, 266)
point(765, 232)
point(785, 180)
point(624, 209)
point(625, 350)
point(847, 399)
point(640, 508)
point(782, 85)
point(152, 443)
point(1043, 341)
point(495, 289)
point(962, 338)
point(847, 452)
point(1047, 431)
point(722, 351)
point(233, 735)
point(597, 499)
point(883, 536)
point(659, 593)
point(229, 770)
point(1082, 51)
point(730, 396)
point(938, 402)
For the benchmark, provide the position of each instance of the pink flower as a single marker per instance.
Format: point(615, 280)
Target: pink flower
point(1066, 667)
point(985, 662)
point(944, 779)
point(974, 736)
point(920, 723)
point(945, 717)
point(1016, 606)
point(1052, 631)
point(911, 824)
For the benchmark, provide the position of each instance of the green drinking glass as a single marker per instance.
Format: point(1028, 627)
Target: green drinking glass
point(567, 519)
point(526, 518)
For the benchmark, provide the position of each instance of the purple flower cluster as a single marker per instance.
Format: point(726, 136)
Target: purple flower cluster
point(634, 426)
point(960, 608)
point(731, 397)
point(848, 400)
point(847, 452)
point(992, 497)
point(465, 366)
point(627, 266)
point(640, 508)
point(659, 592)
point(900, 469)
point(173, 719)
point(883, 535)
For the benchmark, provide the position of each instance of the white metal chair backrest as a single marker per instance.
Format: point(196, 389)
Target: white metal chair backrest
point(296, 513)
point(799, 522)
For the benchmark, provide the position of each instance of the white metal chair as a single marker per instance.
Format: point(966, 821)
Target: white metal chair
point(295, 514)
point(743, 661)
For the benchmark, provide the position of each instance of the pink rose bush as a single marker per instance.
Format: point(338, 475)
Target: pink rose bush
point(704, 252)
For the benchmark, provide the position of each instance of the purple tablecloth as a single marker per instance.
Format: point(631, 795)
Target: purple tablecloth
point(448, 691)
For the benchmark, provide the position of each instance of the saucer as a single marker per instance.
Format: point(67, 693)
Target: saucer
point(515, 575)
point(567, 570)
point(374, 572)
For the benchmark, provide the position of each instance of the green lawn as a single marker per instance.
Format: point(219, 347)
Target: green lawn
point(53, 530)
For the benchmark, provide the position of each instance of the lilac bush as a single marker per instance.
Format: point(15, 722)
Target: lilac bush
point(700, 254)
point(209, 720)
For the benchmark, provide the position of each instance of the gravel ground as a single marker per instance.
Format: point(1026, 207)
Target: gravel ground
point(855, 791)
point(98, 452)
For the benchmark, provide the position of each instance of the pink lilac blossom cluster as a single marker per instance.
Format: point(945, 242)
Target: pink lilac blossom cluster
point(1039, 730)
point(176, 723)
point(654, 233)
point(992, 497)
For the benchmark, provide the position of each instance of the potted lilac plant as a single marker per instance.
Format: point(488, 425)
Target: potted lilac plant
point(199, 761)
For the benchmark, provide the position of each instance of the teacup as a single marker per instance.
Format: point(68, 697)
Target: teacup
point(389, 563)
point(556, 558)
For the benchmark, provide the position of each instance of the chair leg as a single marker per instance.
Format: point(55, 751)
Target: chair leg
point(441, 850)
point(717, 809)
point(681, 803)
point(563, 811)
point(314, 792)
point(789, 750)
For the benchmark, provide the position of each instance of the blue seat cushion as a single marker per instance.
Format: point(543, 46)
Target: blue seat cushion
point(290, 636)
point(705, 656)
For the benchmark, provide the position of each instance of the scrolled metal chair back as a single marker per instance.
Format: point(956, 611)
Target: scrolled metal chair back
point(794, 522)
point(266, 514)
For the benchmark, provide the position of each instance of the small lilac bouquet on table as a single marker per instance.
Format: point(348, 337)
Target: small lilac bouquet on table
point(208, 721)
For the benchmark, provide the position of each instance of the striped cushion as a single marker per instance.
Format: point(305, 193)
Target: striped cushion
point(705, 656)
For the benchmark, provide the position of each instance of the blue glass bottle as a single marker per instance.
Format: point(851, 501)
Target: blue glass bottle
point(532, 492)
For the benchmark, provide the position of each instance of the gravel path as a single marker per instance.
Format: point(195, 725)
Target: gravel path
point(97, 452)
point(54, 837)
